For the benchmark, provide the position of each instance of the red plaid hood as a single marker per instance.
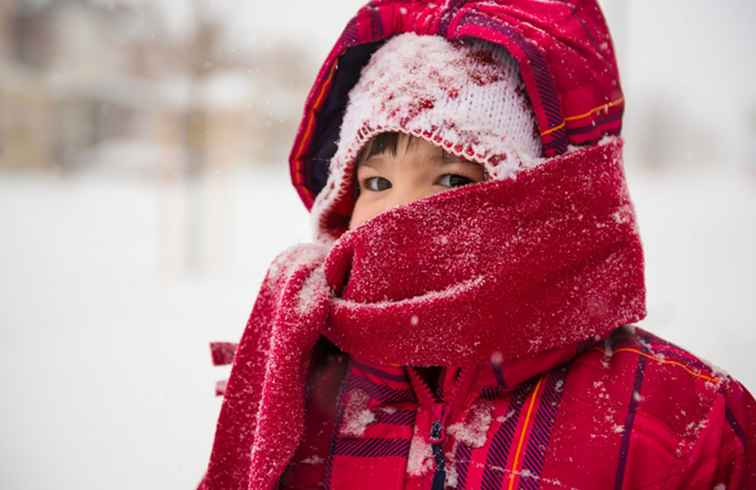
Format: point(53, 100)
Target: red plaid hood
point(563, 49)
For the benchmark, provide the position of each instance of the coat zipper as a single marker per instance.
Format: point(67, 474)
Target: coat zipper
point(439, 477)
point(439, 411)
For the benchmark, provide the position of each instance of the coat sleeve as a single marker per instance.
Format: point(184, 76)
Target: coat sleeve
point(724, 457)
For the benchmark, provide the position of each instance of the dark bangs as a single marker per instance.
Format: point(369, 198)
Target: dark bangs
point(382, 143)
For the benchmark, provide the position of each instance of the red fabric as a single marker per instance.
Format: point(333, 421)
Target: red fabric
point(630, 411)
point(497, 269)
point(563, 48)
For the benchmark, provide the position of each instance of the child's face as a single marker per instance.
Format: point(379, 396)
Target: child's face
point(417, 169)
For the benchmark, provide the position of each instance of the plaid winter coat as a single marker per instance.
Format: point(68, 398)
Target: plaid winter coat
point(631, 411)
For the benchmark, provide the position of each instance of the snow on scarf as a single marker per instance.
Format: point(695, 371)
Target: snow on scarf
point(518, 266)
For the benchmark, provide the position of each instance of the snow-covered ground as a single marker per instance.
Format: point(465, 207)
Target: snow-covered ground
point(106, 373)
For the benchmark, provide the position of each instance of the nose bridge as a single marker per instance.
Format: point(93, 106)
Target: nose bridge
point(407, 190)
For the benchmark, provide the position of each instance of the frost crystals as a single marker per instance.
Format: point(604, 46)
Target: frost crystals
point(473, 433)
point(420, 458)
point(357, 415)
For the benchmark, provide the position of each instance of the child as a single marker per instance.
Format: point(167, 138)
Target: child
point(464, 317)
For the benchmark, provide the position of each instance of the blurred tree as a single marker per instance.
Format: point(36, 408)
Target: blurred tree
point(282, 74)
point(200, 50)
point(751, 141)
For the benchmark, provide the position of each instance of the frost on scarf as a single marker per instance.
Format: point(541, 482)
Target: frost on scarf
point(451, 291)
point(314, 287)
point(292, 259)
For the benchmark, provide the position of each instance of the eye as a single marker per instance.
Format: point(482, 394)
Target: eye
point(376, 184)
point(454, 180)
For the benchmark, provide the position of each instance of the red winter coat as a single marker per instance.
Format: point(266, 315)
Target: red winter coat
point(632, 411)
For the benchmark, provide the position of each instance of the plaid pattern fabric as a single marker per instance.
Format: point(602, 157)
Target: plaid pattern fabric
point(632, 411)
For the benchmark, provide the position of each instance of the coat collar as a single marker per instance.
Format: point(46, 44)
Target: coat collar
point(461, 385)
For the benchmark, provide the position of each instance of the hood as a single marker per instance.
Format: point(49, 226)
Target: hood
point(563, 49)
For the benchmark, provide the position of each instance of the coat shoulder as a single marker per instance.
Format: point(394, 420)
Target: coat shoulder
point(635, 370)
point(654, 362)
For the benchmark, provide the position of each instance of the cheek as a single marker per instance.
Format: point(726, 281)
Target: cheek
point(367, 206)
point(360, 212)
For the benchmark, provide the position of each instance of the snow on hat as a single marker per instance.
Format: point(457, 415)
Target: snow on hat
point(463, 95)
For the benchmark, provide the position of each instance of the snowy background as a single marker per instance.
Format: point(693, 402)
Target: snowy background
point(123, 254)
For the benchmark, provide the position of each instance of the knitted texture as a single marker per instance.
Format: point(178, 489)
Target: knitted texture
point(465, 96)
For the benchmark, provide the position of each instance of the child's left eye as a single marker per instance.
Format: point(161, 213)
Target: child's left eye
point(454, 180)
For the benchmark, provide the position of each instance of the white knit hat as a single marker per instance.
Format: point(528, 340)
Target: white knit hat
point(465, 96)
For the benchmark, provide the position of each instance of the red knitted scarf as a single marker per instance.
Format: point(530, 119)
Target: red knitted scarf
point(510, 267)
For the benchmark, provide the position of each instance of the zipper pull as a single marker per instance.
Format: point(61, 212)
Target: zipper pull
point(437, 432)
